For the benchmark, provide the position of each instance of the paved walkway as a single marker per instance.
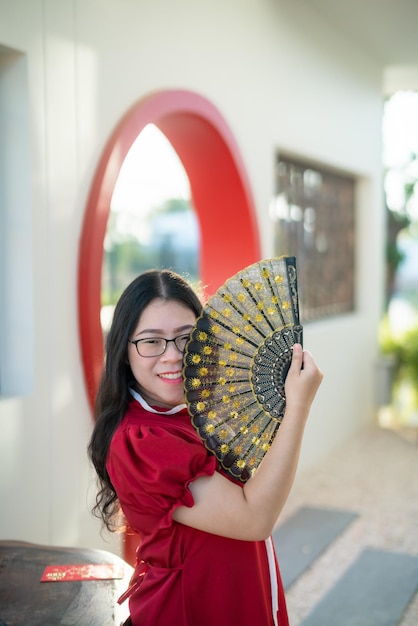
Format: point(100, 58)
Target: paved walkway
point(376, 475)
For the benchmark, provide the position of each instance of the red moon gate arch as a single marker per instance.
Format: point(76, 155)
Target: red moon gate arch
point(220, 193)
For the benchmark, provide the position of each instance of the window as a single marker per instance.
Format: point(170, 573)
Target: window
point(313, 212)
point(16, 310)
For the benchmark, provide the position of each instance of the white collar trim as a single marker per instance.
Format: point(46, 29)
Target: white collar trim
point(149, 408)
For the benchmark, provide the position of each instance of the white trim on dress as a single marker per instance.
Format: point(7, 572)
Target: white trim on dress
point(149, 408)
point(273, 579)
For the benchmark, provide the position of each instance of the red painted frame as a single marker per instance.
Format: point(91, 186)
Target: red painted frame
point(220, 193)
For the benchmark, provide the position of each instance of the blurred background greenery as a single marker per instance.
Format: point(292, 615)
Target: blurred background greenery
point(398, 332)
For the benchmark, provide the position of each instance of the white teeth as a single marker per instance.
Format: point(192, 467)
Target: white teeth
point(171, 376)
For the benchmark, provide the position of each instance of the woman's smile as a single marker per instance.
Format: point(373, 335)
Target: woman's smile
point(172, 376)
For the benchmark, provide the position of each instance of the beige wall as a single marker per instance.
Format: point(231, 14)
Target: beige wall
point(282, 78)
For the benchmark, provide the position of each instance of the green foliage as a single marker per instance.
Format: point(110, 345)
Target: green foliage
point(403, 349)
point(173, 205)
point(127, 254)
point(387, 342)
point(409, 356)
point(393, 255)
point(125, 260)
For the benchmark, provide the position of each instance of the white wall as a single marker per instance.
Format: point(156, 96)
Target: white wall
point(400, 78)
point(282, 78)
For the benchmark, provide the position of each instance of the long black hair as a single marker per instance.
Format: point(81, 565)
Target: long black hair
point(113, 395)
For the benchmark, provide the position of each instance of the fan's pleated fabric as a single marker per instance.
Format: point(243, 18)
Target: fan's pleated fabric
point(237, 360)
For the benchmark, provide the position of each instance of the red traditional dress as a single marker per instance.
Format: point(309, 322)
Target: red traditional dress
point(184, 576)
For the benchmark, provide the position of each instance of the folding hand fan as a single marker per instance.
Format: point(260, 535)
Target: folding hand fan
point(236, 362)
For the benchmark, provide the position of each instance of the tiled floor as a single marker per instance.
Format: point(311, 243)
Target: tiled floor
point(376, 475)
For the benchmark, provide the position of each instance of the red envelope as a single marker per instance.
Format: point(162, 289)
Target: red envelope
point(86, 571)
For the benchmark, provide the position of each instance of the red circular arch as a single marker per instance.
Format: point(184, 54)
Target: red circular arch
point(220, 193)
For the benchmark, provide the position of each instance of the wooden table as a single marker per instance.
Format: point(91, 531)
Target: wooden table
point(25, 601)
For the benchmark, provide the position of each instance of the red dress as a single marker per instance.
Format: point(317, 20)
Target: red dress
point(184, 576)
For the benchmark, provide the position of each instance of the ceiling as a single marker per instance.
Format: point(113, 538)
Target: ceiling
point(386, 29)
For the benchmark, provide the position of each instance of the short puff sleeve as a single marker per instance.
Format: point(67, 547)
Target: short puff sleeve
point(151, 468)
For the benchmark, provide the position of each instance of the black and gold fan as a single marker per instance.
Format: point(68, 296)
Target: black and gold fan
point(236, 362)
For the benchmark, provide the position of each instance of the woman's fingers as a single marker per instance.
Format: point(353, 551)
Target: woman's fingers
point(303, 378)
point(297, 358)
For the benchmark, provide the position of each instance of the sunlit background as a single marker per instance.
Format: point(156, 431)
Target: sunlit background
point(152, 223)
point(399, 327)
point(400, 150)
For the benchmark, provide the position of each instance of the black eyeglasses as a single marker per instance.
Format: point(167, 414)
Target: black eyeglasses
point(156, 346)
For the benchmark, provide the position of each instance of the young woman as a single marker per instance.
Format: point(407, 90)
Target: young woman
point(205, 554)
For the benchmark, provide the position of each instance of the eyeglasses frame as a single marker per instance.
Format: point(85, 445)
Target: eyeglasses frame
point(135, 342)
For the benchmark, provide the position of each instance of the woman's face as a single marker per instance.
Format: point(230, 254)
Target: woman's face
point(159, 378)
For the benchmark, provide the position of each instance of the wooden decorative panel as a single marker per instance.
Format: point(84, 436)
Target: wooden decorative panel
point(314, 219)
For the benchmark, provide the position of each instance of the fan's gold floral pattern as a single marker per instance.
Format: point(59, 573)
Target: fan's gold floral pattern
point(236, 362)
